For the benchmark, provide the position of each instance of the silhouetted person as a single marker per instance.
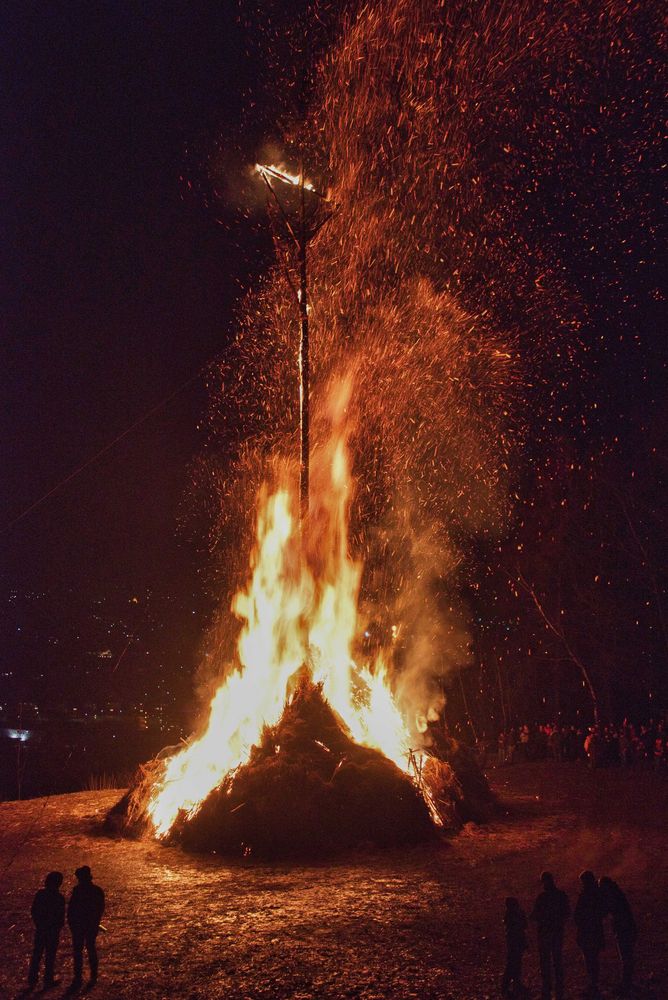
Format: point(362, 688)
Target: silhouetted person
point(48, 914)
point(515, 922)
point(623, 925)
point(84, 912)
point(551, 911)
point(588, 915)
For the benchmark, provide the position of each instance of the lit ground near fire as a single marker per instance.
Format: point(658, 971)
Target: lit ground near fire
point(423, 923)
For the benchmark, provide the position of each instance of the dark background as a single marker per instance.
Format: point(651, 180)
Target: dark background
point(123, 258)
point(120, 281)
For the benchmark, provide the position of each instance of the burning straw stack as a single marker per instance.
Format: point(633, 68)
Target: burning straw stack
point(308, 789)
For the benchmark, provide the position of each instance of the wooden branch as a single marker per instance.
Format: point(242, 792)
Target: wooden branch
point(561, 636)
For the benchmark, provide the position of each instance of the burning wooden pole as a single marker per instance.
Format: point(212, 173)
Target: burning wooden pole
point(304, 364)
point(300, 234)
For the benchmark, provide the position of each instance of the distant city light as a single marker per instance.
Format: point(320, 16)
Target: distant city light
point(22, 735)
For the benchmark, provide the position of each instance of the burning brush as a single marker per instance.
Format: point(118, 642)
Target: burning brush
point(298, 759)
point(307, 789)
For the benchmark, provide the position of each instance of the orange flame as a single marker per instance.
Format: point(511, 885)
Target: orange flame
point(268, 170)
point(286, 592)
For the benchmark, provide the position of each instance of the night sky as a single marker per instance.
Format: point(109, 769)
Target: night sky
point(122, 267)
point(119, 281)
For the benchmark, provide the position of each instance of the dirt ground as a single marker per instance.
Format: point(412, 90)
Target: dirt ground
point(424, 923)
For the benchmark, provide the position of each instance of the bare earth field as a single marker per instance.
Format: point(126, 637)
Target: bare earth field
point(422, 923)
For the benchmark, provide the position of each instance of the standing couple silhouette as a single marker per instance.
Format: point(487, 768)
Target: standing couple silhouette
point(84, 913)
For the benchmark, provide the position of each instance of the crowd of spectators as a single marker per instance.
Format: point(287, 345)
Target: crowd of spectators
point(624, 745)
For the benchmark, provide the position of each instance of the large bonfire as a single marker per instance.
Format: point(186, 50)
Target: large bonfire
point(441, 279)
point(304, 749)
point(426, 284)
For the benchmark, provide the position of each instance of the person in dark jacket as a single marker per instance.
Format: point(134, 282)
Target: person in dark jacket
point(84, 913)
point(588, 915)
point(551, 911)
point(48, 914)
point(515, 922)
point(623, 926)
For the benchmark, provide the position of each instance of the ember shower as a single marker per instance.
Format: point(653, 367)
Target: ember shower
point(436, 293)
